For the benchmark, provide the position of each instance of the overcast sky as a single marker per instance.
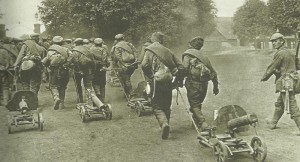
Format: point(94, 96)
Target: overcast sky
point(20, 14)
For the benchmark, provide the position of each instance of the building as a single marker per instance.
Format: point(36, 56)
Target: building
point(222, 37)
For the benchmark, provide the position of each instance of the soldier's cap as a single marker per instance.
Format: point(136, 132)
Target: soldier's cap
point(119, 36)
point(157, 37)
point(34, 35)
point(68, 40)
point(27, 65)
point(86, 41)
point(98, 41)
point(57, 39)
point(78, 40)
point(276, 36)
point(197, 42)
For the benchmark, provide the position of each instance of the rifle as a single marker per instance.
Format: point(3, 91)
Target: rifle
point(297, 61)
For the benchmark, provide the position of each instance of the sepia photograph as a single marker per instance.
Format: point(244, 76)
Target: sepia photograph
point(149, 80)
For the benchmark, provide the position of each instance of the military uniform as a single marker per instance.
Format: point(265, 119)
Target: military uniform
point(101, 61)
point(123, 56)
point(83, 61)
point(56, 61)
point(160, 65)
point(8, 56)
point(196, 83)
point(29, 59)
point(283, 64)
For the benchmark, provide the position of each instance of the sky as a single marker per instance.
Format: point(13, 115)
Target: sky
point(20, 14)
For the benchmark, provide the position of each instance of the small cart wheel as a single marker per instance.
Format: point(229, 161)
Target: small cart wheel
point(221, 152)
point(40, 121)
point(260, 149)
point(109, 112)
point(9, 124)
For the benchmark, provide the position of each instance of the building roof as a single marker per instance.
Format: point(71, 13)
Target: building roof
point(224, 26)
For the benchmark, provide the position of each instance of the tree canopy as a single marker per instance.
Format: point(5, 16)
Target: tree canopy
point(137, 19)
point(252, 20)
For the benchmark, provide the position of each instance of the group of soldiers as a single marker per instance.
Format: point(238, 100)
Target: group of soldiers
point(89, 60)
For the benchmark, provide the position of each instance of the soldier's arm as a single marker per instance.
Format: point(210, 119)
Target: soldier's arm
point(147, 64)
point(21, 55)
point(134, 51)
point(272, 67)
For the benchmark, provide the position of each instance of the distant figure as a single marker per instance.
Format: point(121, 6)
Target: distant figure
point(29, 63)
point(199, 71)
point(282, 66)
point(56, 61)
point(124, 57)
point(160, 65)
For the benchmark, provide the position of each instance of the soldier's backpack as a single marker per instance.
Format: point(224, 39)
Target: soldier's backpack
point(199, 71)
point(127, 52)
point(86, 58)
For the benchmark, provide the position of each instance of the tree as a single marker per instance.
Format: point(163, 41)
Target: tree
point(285, 15)
point(252, 20)
point(106, 18)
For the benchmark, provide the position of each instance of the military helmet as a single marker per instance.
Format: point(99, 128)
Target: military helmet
point(77, 40)
point(157, 37)
point(197, 42)
point(276, 36)
point(27, 65)
point(119, 36)
point(34, 35)
point(57, 39)
point(98, 41)
point(86, 41)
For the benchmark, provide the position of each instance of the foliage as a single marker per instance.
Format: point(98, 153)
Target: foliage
point(285, 15)
point(252, 20)
point(137, 19)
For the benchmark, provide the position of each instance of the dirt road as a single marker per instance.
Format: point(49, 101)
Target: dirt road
point(130, 138)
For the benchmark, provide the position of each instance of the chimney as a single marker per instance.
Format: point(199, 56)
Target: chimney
point(37, 28)
point(2, 31)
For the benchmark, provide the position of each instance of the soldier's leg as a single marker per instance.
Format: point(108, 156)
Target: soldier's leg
point(102, 86)
point(294, 109)
point(36, 80)
point(77, 81)
point(5, 87)
point(54, 86)
point(279, 110)
point(96, 84)
point(25, 80)
point(64, 80)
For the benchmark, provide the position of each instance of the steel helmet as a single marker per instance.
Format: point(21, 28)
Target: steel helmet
point(276, 36)
point(98, 41)
point(57, 39)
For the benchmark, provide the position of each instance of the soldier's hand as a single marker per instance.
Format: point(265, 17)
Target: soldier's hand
point(216, 90)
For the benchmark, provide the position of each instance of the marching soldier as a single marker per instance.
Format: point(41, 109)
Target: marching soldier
point(56, 61)
point(124, 57)
point(282, 66)
point(101, 63)
point(199, 71)
point(160, 65)
point(29, 63)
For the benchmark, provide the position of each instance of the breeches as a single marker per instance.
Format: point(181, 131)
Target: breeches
point(196, 93)
point(99, 81)
point(59, 78)
point(31, 80)
point(162, 95)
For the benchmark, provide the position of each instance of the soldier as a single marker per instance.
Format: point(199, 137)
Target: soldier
point(67, 44)
point(56, 61)
point(282, 66)
point(199, 71)
point(160, 65)
point(124, 57)
point(86, 43)
point(8, 55)
point(101, 63)
point(29, 61)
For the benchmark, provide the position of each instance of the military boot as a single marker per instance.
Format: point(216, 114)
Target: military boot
point(163, 123)
point(276, 116)
point(55, 95)
point(102, 94)
point(5, 97)
point(199, 118)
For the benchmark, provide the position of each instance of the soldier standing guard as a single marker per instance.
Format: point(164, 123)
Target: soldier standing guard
point(199, 71)
point(101, 63)
point(124, 56)
point(56, 61)
point(282, 66)
point(160, 65)
point(29, 64)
